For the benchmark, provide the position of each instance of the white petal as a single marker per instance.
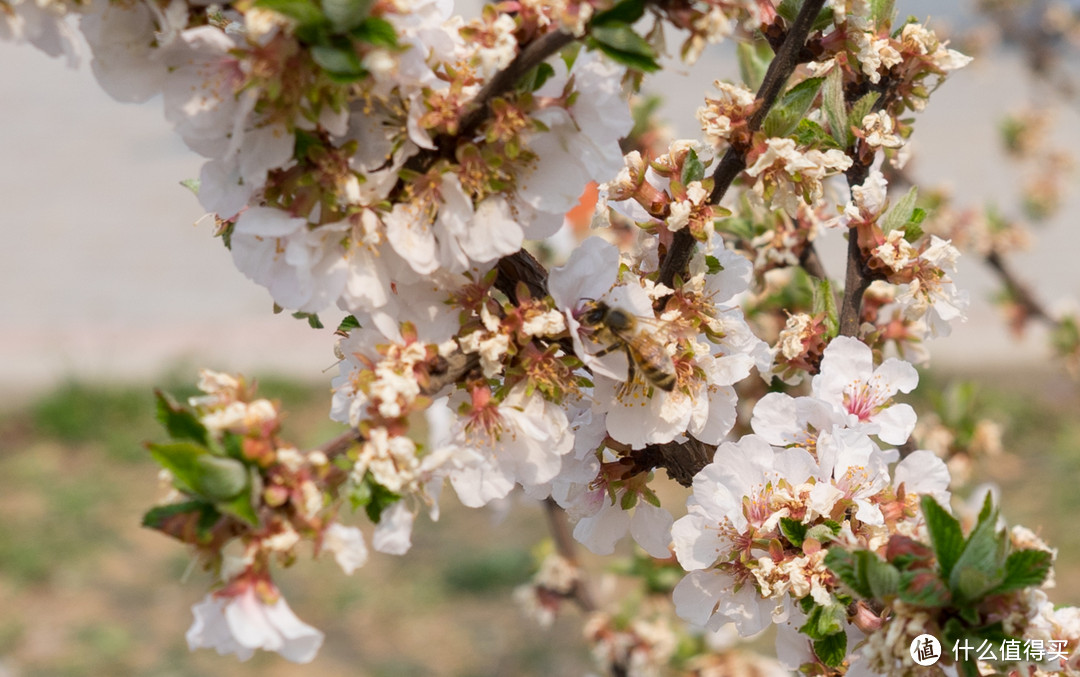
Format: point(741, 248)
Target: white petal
point(651, 528)
point(393, 535)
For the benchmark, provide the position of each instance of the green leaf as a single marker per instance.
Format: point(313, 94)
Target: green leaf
point(341, 61)
point(692, 169)
point(822, 621)
point(789, 9)
point(621, 44)
point(305, 12)
point(373, 497)
point(345, 15)
point(156, 517)
point(832, 650)
point(945, 534)
point(859, 110)
point(312, 319)
point(623, 13)
point(923, 588)
point(541, 74)
point(1025, 568)
point(348, 324)
point(376, 31)
point(793, 530)
point(882, 12)
point(192, 185)
point(754, 59)
point(791, 107)
point(850, 568)
point(180, 423)
point(900, 213)
point(825, 302)
point(884, 578)
point(240, 507)
point(981, 566)
point(835, 108)
point(199, 472)
point(713, 265)
point(810, 133)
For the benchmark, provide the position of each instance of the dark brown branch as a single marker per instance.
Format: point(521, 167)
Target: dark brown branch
point(733, 163)
point(857, 277)
point(536, 53)
point(530, 57)
point(682, 460)
point(856, 283)
point(566, 546)
point(810, 261)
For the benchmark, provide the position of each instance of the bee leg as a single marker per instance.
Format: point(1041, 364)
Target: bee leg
point(626, 388)
point(606, 350)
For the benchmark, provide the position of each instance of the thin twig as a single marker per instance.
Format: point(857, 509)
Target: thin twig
point(734, 162)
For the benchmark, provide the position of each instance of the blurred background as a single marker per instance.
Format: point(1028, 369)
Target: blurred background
point(109, 289)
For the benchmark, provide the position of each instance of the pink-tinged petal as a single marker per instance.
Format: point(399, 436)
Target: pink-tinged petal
point(221, 188)
point(347, 545)
point(246, 616)
point(412, 238)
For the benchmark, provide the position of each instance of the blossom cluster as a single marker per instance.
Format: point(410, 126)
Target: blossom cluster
point(390, 160)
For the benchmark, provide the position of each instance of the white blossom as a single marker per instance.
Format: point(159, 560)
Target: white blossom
point(241, 623)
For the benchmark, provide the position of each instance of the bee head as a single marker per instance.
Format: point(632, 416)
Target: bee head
point(592, 314)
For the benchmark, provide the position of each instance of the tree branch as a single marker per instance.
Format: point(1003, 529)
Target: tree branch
point(535, 53)
point(733, 163)
point(1018, 290)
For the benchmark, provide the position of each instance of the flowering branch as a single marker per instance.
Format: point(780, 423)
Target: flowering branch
point(780, 69)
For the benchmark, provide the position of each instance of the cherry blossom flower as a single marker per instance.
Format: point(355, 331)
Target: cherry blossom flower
point(849, 381)
point(243, 622)
point(732, 500)
point(520, 440)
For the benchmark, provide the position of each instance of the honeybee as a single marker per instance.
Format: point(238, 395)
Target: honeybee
point(621, 330)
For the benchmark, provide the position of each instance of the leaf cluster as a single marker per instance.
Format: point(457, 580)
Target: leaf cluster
point(214, 475)
point(958, 580)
